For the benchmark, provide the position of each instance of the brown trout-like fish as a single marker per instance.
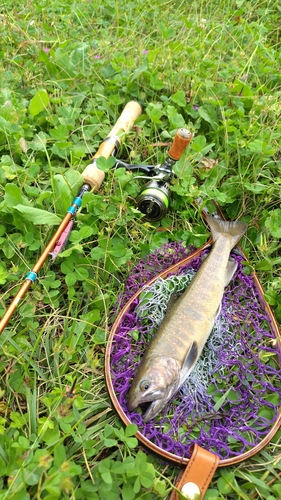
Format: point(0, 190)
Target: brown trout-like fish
point(180, 338)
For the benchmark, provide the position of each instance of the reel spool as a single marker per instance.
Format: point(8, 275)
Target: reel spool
point(154, 200)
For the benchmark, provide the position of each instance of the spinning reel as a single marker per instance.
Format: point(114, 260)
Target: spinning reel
point(154, 199)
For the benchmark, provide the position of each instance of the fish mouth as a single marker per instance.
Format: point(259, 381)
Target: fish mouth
point(153, 409)
point(153, 405)
point(135, 400)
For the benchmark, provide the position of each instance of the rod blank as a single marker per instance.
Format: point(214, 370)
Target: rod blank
point(93, 178)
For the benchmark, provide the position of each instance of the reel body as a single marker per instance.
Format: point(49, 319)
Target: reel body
point(154, 200)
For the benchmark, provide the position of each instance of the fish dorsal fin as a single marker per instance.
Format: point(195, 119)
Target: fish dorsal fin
point(230, 271)
point(191, 357)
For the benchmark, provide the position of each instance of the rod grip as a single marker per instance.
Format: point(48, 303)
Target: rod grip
point(127, 119)
point(180, 142)
point(92, 175)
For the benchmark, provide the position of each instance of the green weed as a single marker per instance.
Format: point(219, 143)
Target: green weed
point(67, 69)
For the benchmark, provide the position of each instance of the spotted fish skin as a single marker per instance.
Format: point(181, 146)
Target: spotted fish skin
point(180, 339)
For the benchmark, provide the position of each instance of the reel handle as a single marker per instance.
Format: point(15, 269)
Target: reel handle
point(180, 142)
point(153, 201)
point(92, 175)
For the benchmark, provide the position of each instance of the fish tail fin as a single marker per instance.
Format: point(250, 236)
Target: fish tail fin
point(232, 230)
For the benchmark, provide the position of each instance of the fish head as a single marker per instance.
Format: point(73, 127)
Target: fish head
point(155, 382)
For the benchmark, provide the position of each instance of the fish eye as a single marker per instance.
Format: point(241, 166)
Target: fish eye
point(144, 385)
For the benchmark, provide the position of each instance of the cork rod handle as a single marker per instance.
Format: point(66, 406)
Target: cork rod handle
point(180, 142)
point(92, 175)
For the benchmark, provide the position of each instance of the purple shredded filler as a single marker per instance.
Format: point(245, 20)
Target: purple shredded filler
point(240, 403)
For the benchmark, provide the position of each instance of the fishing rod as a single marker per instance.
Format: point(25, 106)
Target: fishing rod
point(153, 201)
point(93, 178)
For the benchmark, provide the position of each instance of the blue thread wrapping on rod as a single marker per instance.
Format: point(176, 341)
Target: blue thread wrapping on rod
point(72, 210)
point(31, 276)
point(77, 202)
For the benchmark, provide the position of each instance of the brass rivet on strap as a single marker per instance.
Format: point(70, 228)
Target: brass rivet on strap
point(191, 491)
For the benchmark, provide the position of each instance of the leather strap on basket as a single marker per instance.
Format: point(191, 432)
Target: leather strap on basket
point(195, 479)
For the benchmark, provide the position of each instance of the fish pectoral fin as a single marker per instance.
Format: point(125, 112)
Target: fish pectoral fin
point(191, 358)
point(218, 311)
point(230, 270)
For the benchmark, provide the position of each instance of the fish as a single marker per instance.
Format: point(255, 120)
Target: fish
point(186, 327)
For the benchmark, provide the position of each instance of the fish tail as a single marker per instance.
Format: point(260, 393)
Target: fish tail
point(233, 230)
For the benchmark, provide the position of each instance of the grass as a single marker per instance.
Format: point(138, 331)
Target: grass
point(212, 66)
